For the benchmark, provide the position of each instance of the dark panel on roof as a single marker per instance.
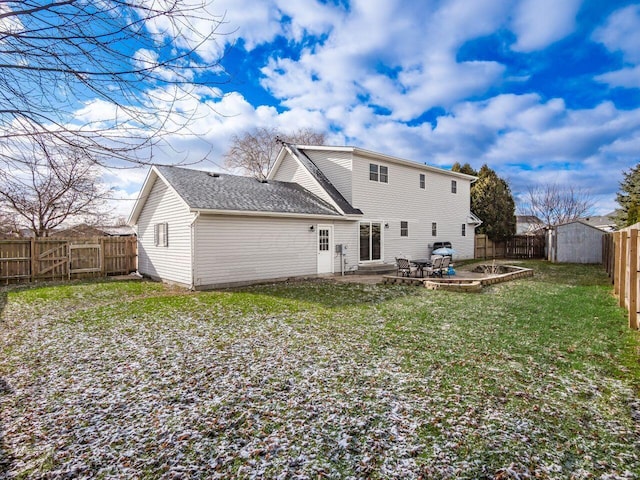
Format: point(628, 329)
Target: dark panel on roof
point(208, 191)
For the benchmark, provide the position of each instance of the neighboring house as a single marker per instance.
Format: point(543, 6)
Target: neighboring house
point(84, 230)
point(322, 210)
point(606, 223)
point(529, 225)
point(574, 242)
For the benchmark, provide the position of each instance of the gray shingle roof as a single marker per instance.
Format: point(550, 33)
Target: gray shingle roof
point(320, 177)
point(207, 191)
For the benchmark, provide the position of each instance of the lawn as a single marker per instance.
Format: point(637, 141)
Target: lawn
point(536, 378)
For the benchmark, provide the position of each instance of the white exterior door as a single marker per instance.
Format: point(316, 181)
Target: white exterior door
point(325, 249)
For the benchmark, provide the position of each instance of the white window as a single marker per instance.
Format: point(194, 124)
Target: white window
point(464, 230)
point(404, 229)
point(454, 186)
point(373, 172)
point(423, 181)
point(434, 229)
point(161, 234)
point(384, 174)
point(378, 173)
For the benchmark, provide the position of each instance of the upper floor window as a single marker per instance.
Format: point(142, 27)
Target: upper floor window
point(464, 230)
point(434, 229)
point(161, 234)
point(378, 173)
point(423, 180)
point(404, 229)
point(384, 174)
point(454, 186)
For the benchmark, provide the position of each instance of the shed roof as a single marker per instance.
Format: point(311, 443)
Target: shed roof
point(202, 190)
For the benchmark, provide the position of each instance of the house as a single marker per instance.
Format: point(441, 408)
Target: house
point(321, 210)
point(606, 223)
point(574, 242)
point(84, 230)
point(529, 225)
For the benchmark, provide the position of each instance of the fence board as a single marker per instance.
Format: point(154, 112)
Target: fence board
point(621, 261)
point(59, 259)
point(519, 246)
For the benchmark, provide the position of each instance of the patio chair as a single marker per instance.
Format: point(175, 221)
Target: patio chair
point(444, 268)
point(404, 267)
point(435, 269)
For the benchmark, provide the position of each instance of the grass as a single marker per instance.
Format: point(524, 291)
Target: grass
point(536, 378)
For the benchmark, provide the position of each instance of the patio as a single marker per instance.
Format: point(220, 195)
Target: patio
point(468, 278)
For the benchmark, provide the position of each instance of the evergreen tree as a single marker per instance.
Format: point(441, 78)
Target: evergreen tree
point(492, 202)
point(629, 198)
point(466, 168)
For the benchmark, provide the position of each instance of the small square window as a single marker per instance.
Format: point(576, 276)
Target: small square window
point(373, 172)
point(434, 229)
point(454, 186)
point(464, 230)
point(404, 229)
point(161, 234)
point(423, 181)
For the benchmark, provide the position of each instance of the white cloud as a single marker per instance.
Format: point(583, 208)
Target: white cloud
point(626, 77)
point(397, 55)
point(539, 23)
point(621, 32)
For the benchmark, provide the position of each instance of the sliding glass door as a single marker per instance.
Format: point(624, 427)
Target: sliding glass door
point(370, 241)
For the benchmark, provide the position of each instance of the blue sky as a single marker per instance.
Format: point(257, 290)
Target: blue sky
point(540, 90)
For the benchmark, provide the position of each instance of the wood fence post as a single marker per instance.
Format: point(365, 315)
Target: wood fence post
point(32, 263)
point(633, 279)
point(616, 263)
point(624, 253)
point(103, 268)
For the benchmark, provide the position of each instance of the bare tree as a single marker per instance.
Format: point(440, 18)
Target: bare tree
point(555, 204)
point(110, 78)
point(50, 185)
point(255, 152)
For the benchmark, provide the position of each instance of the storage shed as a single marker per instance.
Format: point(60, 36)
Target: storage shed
point(574, 242)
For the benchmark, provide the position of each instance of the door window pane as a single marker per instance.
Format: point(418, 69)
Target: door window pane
point(365, 230)
point(323, 240)
point(376, 241)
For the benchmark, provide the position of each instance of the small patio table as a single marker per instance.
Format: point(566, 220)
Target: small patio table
point(421, 263)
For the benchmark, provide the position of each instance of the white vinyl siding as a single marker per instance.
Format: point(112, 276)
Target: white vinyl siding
point(402, 199)
point(237, 249)
point(291, 171)
point(173, 262)
point(336, 166)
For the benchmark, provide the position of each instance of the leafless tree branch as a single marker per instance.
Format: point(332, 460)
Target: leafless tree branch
point(50, 185)
point(111, 78)
point(255, 152)
point(555, 204)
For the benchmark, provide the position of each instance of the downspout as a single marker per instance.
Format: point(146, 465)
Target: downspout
point(192, 227)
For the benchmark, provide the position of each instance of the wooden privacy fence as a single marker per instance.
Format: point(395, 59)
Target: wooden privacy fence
point(519, 246)
point(62, 259)
point(620, 259)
